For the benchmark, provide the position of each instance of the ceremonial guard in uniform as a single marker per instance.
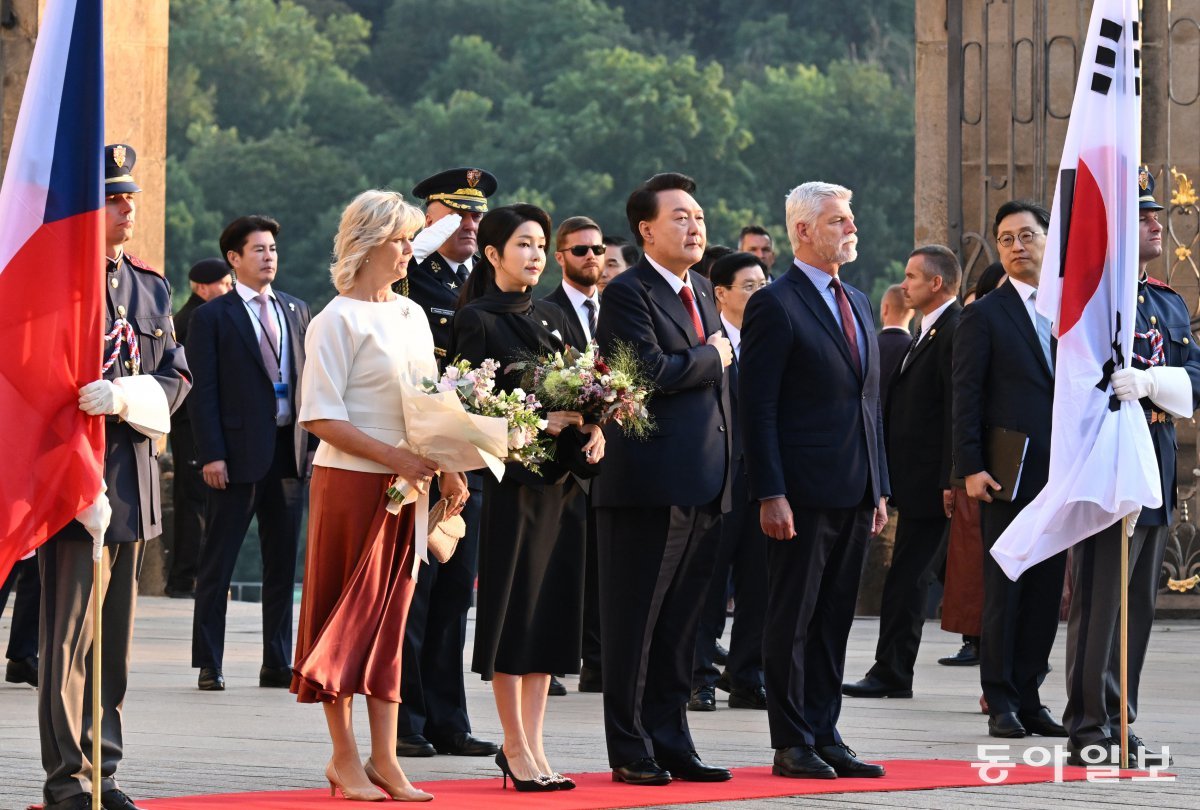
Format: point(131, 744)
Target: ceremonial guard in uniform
point(144, 379)
point(433, 708)
point(1165, 377)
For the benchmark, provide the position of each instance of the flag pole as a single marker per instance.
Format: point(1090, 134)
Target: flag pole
point(1125, 528)
point(97, 711)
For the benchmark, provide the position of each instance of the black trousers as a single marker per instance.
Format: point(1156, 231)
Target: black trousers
point(277, 501)
point(432, 693)
point(812, 587)
point(902, 611)
point(591, 591)
point(190, 496)
point(1020, 620)
point(655, 566)
point(23, 636)
point(742, 551)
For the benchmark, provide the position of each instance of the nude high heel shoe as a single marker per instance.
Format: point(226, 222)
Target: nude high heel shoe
point(398, 794)
point(351, 794)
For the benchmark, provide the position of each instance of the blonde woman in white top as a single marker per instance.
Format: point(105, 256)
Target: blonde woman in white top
point(358, 571)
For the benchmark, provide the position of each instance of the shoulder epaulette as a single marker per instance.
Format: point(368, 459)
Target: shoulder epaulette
point(141, 265)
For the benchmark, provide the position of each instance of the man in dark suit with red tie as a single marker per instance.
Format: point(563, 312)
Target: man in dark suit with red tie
point(1004, 378)
point(916, 418)
point(813, 435)
point(247, 352)
point(657, 498)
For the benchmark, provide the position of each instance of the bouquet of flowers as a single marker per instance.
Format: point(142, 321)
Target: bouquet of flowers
point(612, 389)
point(474, 405)
point(476, 390)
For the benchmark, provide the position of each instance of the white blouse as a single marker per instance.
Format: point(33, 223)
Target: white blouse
point(356, 354)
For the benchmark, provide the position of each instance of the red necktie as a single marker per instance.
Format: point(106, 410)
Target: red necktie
point(689, 303)
point(848, 329)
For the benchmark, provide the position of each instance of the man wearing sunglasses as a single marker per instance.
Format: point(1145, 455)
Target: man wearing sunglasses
point(579, 250)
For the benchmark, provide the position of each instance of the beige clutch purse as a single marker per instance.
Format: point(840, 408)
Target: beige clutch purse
point(444, 532)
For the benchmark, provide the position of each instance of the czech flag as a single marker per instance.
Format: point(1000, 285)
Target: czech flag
point(51, 283)
point(1102, 462)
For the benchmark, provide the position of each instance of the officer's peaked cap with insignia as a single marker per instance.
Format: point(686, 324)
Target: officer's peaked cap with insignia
point(118, 169)
point(1146, 201)
point(465, 189)
point(206, 271)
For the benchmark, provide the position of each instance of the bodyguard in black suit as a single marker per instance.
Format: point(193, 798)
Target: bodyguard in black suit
point(433, 710)
point(580, 250)
point(657, 498)
point(894, 338)
point(742, 549)
point(813, 428)
point(248, 347)
point(1004, 378)
point(209, 278)
point(916, 422)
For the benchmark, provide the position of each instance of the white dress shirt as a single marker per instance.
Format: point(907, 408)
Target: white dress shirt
point(275, 311)
point(734, 334)
point(581, 312)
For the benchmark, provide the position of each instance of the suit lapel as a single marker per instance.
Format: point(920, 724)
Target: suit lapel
point(928, 336)
point(243, 326)
point(812, 299)
point(708, 307)
point(666, 300)
point(1014, 307)
point(291, 315)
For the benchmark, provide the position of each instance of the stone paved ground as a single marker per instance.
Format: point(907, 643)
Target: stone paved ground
point(181, 741)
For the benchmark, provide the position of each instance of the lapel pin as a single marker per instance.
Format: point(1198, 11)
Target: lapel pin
point(291, 306)
point(932, 332)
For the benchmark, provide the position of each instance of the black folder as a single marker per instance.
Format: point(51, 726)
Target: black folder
point(1004, 456)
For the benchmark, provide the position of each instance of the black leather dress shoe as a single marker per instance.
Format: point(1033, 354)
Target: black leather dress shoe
point(748, 698)
point(1102, 753)
point(1139, 750)
point(721, 654)
point(590, 680)
point(211, 680)
point(464, 744)
point(180, 593)
point(414, 745)
point(22, 670)
point(642, 772)
point(704, 699)
point(1042, 723)
point(690, 768)
point(1005, 725)
point(116, 800)
point(801, 762)
point(556, 688)
point(81, 801)
point(967, 656)
point(872, 687)
point(724, 682)
point(845, 762)
point(275, 677)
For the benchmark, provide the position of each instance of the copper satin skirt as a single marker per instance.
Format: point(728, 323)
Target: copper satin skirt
point(357, 589)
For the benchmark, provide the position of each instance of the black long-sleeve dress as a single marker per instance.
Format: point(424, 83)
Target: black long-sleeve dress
point(529, 616)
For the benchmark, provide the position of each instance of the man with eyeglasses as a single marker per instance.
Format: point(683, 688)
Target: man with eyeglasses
point(1004, 379)
point(741, 550)
point(579, 250)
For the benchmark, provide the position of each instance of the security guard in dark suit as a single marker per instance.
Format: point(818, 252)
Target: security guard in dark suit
point(145, 377)
point(1165, 377)
point(209, 278)
point(433, 708)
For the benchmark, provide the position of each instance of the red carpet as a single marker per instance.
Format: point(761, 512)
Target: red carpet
point(596, 790)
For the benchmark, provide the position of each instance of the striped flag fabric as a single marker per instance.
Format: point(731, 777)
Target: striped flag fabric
point(51, 283)
point(1102, 462)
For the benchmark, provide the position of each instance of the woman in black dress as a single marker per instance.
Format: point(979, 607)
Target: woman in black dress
point(530, 603)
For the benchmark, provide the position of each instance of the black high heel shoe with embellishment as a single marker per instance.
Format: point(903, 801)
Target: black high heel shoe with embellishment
point(539, 784)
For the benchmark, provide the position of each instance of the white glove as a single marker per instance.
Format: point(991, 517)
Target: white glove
point(1133, 383)
point(95, 518)
point(102, 398)
point(430, 239)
